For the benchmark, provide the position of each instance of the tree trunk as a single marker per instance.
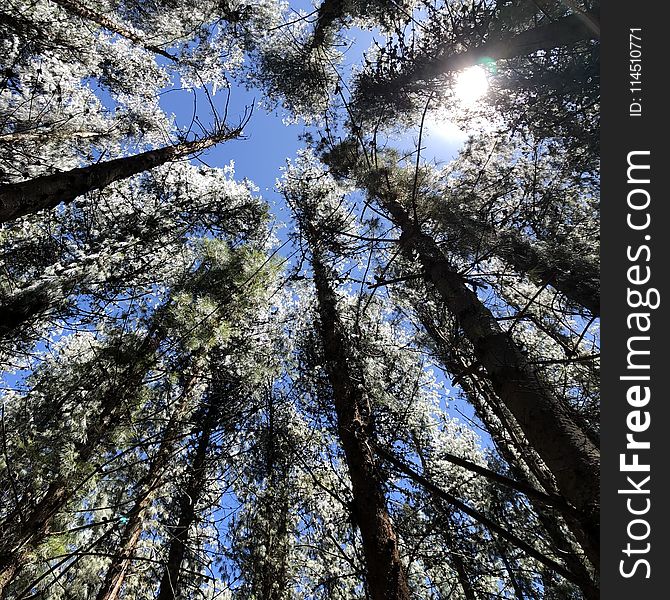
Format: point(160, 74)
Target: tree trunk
point(171, 581)
point(545, 421)
point(386, 577)
point(86, 13)
point(28, 197)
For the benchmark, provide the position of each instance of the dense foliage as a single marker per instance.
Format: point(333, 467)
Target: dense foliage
point(394, 397)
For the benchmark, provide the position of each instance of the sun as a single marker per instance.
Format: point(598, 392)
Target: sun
point(471, 85)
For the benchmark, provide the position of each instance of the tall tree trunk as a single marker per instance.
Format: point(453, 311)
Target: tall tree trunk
point(545, 421)
point(75, 8)
point(171, 581)
point(22, 531)
point(522, 460)
point(148, 487)
point(28, 197)
point(386, 577)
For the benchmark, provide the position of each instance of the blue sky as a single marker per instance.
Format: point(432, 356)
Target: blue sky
point(268, 141)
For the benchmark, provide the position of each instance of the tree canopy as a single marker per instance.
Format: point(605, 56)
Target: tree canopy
point(378, 380)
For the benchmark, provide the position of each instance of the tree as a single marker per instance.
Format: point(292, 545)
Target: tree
point(263, 532)
point(541, 61)
point(147, 488)
point(385, 573)
point(547, 423)
point(396, 396)
point(479, 224)
point(564, 31)
point(31, 518)
point(133, 236)
point(27, 197)
point(28, 520)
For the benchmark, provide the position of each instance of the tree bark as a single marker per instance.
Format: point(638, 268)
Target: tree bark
point(29, 197)
point(545, 421)
point(386, 577)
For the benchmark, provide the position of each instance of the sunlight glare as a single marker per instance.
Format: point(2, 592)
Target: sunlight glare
point(471, 85)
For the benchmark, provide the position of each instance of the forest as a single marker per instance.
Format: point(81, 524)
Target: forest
point(377, 377)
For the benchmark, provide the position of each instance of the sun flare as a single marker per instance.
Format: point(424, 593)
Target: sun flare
point(471, 85)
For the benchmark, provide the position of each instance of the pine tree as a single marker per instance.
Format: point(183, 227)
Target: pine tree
point(385, 573)
point(28, 197)
point(547, 423)
point(196, 404)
